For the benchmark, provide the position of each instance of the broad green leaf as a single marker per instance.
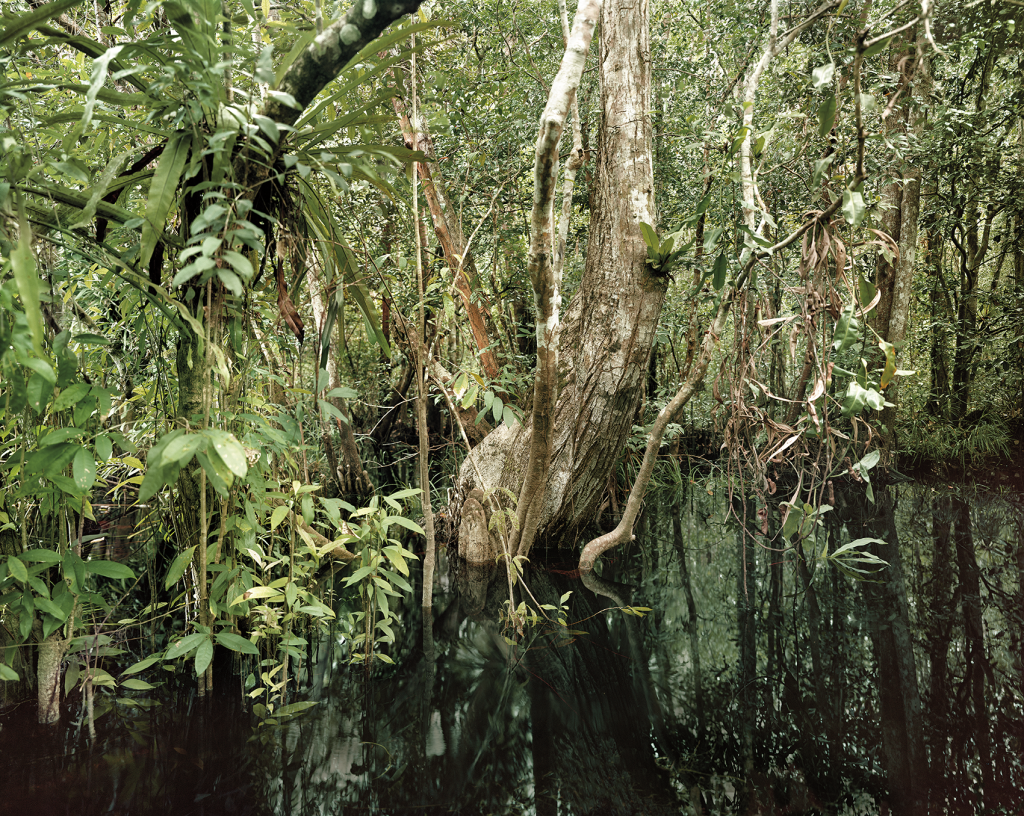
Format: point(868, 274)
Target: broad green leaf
point(7, 673)
point(719, 272)
point(889, 350)
point(237, 643)
point(40, 556)
point(23, 263)
point(104, 447)
point(820, 167)
point(396, 557)
point(650, 236)
point(256, 592)
point(74, 571)
point(826, 115)
point(135, 668)
point(358, 575)
point(162, 191)
point(866, 290)
point(178, 565)
point(295, 708)
point(402, 521)
point(230, 451)
point(853, 207)
point(58, 435)
point(877, 47)
point(407, 493)
point(135, 684)
point(17, 568)
point(70, 396)
point(278, 515)
point(217, 473)
point(83, 470)
point(109, 569)
point(182, 449)
point(204, 655)
point(185, 645)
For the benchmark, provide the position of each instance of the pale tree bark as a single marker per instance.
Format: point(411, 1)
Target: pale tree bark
point(544, 264)
point(609, 329)
point(900, 286)
point(420, 355)
point(623, 531)
point(747, 96)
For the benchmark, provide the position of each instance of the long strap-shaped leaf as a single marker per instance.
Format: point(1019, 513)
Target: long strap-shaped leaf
point(161, 192)
point(15, 27)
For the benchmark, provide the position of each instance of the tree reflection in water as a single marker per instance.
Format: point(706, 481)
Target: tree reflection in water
point(756, 685)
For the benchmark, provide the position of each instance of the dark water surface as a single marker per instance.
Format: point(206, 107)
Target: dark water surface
point(755, 685)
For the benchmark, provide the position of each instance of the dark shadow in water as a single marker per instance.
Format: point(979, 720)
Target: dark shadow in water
point(758, 684)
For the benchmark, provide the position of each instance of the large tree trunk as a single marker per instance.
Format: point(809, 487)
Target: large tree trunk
point(610, 325)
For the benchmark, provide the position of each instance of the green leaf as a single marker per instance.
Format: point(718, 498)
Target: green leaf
point(866, 290)
point(74, 571)
point(230, 451)
point(70, 396)
point(820, 167)
point(496, 408)
point(402, 521)
point(719, 272)
point(21, 25)
point(135, 668)
point(83, 470)
point(278, 515)
point(256, 592)
point(396, 557)
point(295, 708)
point(181, 560)
point(7, 673)
point(135, 684)
point(104, 447)
point(97, 78)
point(110, 569)
point(181, 450)
point(37, 392)
point(217, 473)
point(23, 263)
point(650, 236)
point(237, 643)
point(204, 656)
point(185, 645)
point(877, 47)
point(826, 115)
point(17, 568)
point(40, 556)
point(407, 493)
point(162, 190)
point(853, 207)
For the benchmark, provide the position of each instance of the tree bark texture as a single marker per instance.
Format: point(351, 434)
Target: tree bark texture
point(610, 326)
point(449, 234)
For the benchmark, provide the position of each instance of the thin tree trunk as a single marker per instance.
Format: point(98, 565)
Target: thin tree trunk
point(449, 235)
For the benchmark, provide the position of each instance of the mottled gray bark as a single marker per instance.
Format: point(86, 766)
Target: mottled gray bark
point(609, 328)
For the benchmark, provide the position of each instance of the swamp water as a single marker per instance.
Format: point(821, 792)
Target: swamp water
point(753, 686)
